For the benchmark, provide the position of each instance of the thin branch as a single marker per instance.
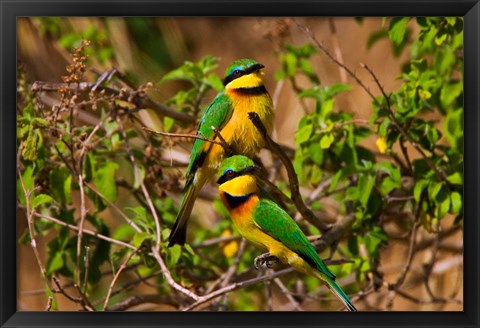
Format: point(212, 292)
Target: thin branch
point(180, 135)
point(125, 94)
point(115, 207)
point(61, 290)
point(86, 231)
point(83, 215)
point(136, 171)
point(214, 241)
point(29, 214)
point(49, 304)
point(320, 45)
point(115, 278)
point(287, 294)
point(228, 150)
point(132, 301)
point(168, 275)
point(292, 176)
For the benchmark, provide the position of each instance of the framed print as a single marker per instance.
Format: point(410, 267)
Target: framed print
point(221, 163)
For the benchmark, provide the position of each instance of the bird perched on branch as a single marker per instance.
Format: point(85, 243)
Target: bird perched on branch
point(269, 227)
point(228, 113)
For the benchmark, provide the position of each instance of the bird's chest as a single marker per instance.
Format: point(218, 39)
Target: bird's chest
point(240, 131)
point(241, 211)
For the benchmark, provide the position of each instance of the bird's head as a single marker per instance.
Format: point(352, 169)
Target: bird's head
point(236, 176)
point(243, 73)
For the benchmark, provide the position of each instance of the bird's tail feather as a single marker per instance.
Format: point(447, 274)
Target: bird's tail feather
point(179, 230)
point(337, 290)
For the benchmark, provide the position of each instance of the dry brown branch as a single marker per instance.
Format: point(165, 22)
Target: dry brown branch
point(180, 135)
point(86, 231)
point(116, 276)
point(49, 304)
point(168, 276)
point(132, 301)
point(30, 214)
point(138, 176)
point(287, 294)
point(125, 95)
point(292, 176)
point(115, 207)
point(320, 45)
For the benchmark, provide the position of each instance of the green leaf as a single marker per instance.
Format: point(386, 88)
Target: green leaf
point(41, 199)
point(456, 178)
point(104, 180)
point(173, 255)
point(303, 134)
point(353, 245)
point(168, 123)
point(215, 82)
point(54, 263)
point(443, 208)
point(326, 140)
point(28, 181)
point(433, 189)
point(397, 29)
point(440, 39)
point(375, 37)
point(139, 179)
point(449, 93)
point(417, 190)
point(139, 238)
point(365, 186)
point(31, 145)
point(455, 202)
point(61, 185)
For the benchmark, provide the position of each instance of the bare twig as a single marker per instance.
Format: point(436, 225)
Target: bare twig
point(132, 301)
point(136, 171)
point(83, 215)
point(115, 278)
point(168, 276)
point(320, 45)
point(180, 135)
point(62, 291)
point(142, 103)
point(86, 231)
point(87, 263)
point(49, 304)
point(287, 294)
point(115, 207)
point(30, 214)
point(228, 150)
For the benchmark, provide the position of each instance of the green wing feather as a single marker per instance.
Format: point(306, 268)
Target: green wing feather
point(217, 115)
point(274, 221)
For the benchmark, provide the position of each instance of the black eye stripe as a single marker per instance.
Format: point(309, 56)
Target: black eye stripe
point(251, 69)
point(225, 177)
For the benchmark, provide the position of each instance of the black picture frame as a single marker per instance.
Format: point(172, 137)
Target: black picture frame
point(11, 9)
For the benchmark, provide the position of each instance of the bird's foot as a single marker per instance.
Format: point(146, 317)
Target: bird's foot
point(266, 259)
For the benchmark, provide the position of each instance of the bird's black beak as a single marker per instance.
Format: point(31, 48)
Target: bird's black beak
point(255, 68)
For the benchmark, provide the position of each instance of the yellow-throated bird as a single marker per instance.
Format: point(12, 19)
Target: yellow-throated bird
point(244, 92)
point(269, 227)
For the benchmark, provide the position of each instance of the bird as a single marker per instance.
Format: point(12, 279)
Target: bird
point(243, 92)
point(265, 224)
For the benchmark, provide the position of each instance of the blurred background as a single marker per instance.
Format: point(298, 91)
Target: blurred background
point(145, 49)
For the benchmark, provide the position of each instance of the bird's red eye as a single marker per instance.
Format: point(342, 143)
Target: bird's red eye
point(230, 173)
point(237, 72)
